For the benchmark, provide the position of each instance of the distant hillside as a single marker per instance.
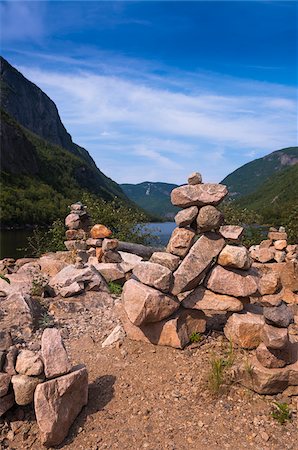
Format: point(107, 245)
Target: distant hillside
point(152, 197)
point(248, 178)
point(276, 198)
point(42, 170)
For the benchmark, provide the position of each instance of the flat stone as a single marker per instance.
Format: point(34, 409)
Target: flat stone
point(186, 216)
point(279, 316)
point(111, 271)
point(174, 331)
point(75, 235)
point(111, 256)
point(53, 353)
point(4, 384)
point(273, 358)
point(180, 242)
point(235, 257)
point(244, 330)
point(6, 403)
point(269, 300)
point(144, 304)
point(198, 195)
point(94, 242)
point(209, 218)
point(24, 387)
point(29, 363)
point(205, 300)
point(194, 178)
point(75, 245)
point(99, 231)
point(237, 283)
point(193, 268)
point(154, 275)
point(58, 402)
point(280, 244)
point(116, 335)
point(231, 232)
point(277, 235)
point(165, 259)
point(267, 381)
point(273, 337)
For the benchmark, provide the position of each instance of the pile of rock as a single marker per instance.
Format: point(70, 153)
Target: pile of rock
point(197, 283)
point(275, 248)
point(46, 378)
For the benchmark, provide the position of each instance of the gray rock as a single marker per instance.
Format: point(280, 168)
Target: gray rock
point(279, 316)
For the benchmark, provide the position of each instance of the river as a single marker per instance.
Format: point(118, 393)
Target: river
point(14, 242)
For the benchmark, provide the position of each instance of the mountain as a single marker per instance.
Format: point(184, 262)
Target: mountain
point(42, 169)
point(248, 178)
point(154, 198)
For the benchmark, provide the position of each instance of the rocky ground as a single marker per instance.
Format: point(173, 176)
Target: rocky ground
point(152, 397)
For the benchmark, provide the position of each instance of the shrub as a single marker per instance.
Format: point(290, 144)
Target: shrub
point(281, 412)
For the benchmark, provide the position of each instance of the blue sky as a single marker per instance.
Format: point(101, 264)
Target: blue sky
point(155, 90)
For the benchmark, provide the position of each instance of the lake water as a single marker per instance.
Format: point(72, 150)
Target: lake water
point(13, 242)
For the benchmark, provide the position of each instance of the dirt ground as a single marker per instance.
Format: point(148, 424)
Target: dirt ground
point(147, 397)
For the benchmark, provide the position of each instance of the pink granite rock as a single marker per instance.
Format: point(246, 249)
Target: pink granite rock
point(271, 358)
point(186, 216)
point(273, 337)
point(194, 178)
point(53, 353)
point(29, 363)
point(231, 232)
point(24, 387)
point(205, 300)
point(58, 402)
point(198, 195)
point(244, 330)
point(154, 275)
point(209, 218)
point(4, 384)
point(235, 256)
point(166, 259)
point(180, 242)
point(238, 283)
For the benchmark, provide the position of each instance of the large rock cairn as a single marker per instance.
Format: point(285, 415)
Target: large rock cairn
point(46, 379)
point(196, 284)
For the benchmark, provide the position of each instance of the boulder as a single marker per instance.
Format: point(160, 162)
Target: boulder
point(24, 387)
point(279, 316)
point(111, 256)
point(280, 244)
point(193, 268)
point(51, 266)
point(71, 290)
point(109, 244)
point(116, 335)
point(53, 353)
point(58, 402)
point(194, 178)
point(180, 242)
point(277, 235)
point(272, 358)
point(186, 216)
point(237, 283)
point(144, 304)
point(89, 276)
point(262, 380)
point(6, 403)
point(235, 257)
point(231, 232)
point(154, 275)
point(29, 363)
point(244, 330)
point(111, 271)
point(273, 337)
point(174, 331)
point(205, 300)
point(209, 218)
point(99, 231)
point(165, 259)
point(198, 195)
point(4, 384)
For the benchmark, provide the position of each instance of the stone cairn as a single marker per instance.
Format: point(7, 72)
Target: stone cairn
point(46, 378)
point(207, 280)
point(275, 248)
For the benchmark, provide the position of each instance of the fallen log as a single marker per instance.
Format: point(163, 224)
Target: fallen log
point(138, 249)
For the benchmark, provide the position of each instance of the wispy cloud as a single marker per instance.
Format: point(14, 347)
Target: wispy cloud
point(21, 21)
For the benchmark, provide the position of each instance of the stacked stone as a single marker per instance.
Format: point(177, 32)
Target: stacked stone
point(102, 246)
point(45, 378)
point(77, 222)
point(275, 248)
point(194, 283)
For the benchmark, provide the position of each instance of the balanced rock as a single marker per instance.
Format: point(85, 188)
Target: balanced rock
point(279, 316)
point(58, 402)
point(277, 235)
point(193, 268)
point(180, 242)
point(198, 195)
point(194, 178)
point(72, 221)
point(231, 232)
point(4, 384)
point(94, 242)
point(29, 363)
point(273, 337)
point(186, 216)
point(209, 218)
point(271, 358)
point(154, 275)
point(235, 257)
point(205, 300)
point(109, 244)
point(245, 330)
point(99, 231)
point(238, 283)
point(165, 259)
point(144, 304)
point(53, 353)
point(280, 244)
point(24, 387)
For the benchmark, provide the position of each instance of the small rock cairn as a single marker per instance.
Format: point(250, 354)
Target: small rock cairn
point(45, 377)
point(89, 243)
point(275, 248)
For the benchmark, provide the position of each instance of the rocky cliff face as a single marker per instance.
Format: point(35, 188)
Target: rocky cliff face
point(33, 109)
